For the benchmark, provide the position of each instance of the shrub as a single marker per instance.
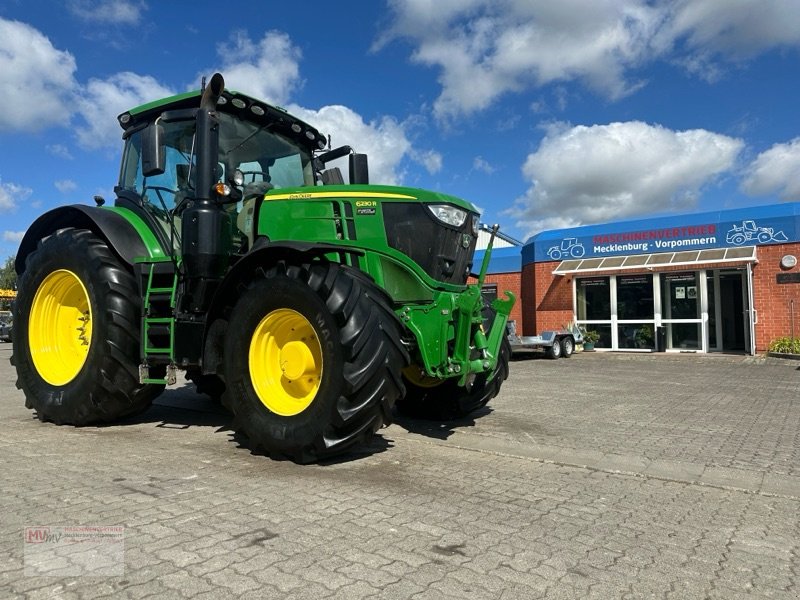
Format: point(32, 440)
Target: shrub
point(785, 345)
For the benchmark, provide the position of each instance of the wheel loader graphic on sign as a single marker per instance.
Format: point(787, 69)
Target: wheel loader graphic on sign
point(750, 232)
point(570, 248)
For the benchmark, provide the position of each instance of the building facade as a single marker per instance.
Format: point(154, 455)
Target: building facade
point(723, 281)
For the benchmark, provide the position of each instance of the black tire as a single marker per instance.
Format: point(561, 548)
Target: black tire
point(567, 346)
point(106, 387)
point(448, 401)
point(553, 352)
point(361, 356)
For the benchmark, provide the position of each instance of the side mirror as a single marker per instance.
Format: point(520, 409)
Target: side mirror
point(359, 170)
point(153, 151)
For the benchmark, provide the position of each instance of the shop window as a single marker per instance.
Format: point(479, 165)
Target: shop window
point(594, 299)
point(679, 296)
point(638, 336)
point(634, 297)
point(605, 340)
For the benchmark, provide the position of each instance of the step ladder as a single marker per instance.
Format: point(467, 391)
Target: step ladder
point(159, 281)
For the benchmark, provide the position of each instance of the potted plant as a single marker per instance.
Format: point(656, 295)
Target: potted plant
point(644, 337)
point(590, 338)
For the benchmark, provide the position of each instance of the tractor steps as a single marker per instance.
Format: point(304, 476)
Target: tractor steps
point(158, 279)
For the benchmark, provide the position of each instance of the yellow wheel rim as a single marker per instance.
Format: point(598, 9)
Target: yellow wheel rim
point(285, 362)
point(417, 375)
point(60, 327)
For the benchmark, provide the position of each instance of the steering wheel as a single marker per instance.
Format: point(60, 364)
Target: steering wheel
point(264, 175)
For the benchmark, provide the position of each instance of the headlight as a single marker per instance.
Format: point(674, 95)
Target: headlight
point(475, 224)
point(449, 215)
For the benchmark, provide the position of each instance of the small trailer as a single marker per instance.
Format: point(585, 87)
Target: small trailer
point(556, 344)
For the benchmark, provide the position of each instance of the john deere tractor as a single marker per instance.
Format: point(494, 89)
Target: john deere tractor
point(232, 252)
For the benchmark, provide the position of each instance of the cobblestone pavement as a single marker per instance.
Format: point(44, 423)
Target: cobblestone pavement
point(601, 476)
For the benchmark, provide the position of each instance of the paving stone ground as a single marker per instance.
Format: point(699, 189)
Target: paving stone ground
point(601, 476)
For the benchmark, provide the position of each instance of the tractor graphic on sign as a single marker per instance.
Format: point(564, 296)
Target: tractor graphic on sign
point(570, 248)
point(749, 232)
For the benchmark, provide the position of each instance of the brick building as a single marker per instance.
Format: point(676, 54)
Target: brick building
point(707, 282)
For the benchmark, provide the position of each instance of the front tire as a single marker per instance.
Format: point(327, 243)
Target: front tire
point(447, 401)
point(312, 361)
point(77, 333)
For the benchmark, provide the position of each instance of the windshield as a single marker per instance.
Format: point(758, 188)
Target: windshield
point(265, 158)
point(262, 155)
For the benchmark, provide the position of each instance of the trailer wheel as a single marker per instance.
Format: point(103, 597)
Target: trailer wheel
point(567, 346)
point(312, 361)
point(77, 333)
point(554, 351)
point(446, 400)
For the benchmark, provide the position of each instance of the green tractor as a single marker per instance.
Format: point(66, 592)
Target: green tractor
point(310, 308)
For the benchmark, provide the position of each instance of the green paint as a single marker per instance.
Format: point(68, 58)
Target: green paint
point(148, 237)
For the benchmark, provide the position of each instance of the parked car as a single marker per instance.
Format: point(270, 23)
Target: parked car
point(5, 331)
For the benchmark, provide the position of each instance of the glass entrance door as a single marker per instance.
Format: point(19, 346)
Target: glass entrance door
point(728, 311)
point(634, 312)
point(681, 316)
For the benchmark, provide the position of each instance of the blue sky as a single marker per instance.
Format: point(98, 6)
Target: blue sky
point(545, 114)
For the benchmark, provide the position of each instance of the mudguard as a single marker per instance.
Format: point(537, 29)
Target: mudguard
point(124, 239)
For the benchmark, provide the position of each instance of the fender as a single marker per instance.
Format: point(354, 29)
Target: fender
point(122, 236)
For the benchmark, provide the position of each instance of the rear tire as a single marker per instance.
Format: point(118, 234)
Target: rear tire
point(312, 361)
point(73, 370)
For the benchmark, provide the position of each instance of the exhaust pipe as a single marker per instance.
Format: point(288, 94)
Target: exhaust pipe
point(212, 92)
point(205, 227)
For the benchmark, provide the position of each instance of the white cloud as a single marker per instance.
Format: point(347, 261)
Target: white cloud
point(430, 159)
point(37, 82)
point(730, 29)
point(486, 48)
point(104, 99)
point(13, 236)
point(481, 164)
point(605, 172)
point(59, 151)
point(775, 171)
point(10, 194)
point(383, 139)
point(115, 12)
point(268, 70)
point(65, 185)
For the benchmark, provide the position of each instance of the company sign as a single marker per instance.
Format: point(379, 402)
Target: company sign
point(596, 243)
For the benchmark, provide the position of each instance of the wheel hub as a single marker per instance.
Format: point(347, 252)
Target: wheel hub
point(296, 360)
point(60, 327)
point(285, 362)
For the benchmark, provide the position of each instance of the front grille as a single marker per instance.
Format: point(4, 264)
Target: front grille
point(437, 248)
